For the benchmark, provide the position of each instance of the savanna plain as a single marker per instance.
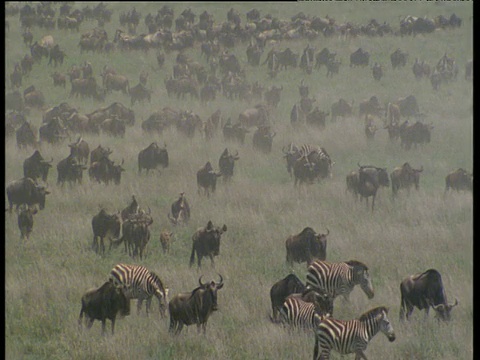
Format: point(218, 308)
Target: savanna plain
point(46, 275)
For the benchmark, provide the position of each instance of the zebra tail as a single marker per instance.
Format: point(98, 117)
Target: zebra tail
point(116, 242)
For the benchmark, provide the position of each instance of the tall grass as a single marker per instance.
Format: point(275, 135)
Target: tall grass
point(47, 275)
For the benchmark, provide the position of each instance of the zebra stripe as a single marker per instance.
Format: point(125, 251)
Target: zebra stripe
point(300, 314)
point(351, 336)
point(339, 278)
point(141, 284)
point(306, 149)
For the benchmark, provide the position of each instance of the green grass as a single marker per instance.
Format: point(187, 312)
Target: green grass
point(47, 275)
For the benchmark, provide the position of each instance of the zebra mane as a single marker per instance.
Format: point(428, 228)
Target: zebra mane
point(356, 263)
point(373, 313)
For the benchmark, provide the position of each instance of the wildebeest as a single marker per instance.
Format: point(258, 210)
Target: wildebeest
point(370, 178)
point(80, 150)
point(425, 290)
point(226, 164)
point(207, 179)
point(206, 242)
point(263, 139)
point(408, 106)
point(131, 209)
point(59, 79)
point(98, 153)
point(26, 191)
point(166, 238)
point(359, 58)
point(113, 126)
point(25, 220)
point(417, 133)
point(70, 169)
point(194, 307)
point(53, 132)
point(141, 233)
point(404, 177)
point(459, 179)
point(84, 87)
point(34, 98)
point(152, 156)
point(139, 93)
point(104, 303)
point(306, 246)
point(315, 164)
point(234, 132)
point(398, 58)
point(25, 135)
point(279, 291)
point(36, 167)
point(256, 116)
point(324, 57)
point(105, 225)
point(370, 107)
point(115, 82)
point(341, 108)
point(272, 95)
point(180, 210)
point(106, 171)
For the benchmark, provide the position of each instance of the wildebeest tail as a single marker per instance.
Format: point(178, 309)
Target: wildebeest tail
point(116, 242)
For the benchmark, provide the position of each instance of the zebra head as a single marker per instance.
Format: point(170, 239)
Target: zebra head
point(385, 325)
point(362, 277)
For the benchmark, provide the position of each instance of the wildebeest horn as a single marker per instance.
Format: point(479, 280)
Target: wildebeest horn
point(328, 232)
point(200, 281)
point(220, 284)
point(454, 304)
point(123, 160)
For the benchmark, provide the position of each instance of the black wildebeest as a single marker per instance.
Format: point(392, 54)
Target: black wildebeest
point(70, 169)
point(290, 284)
point(141, 233)
point(235, 132)
point(104, 303)
point(106, 171)
point(404, 177)
point(98, 153)
point(194, 307)
point(370, 178)
point(180, 210)
point(131, 209)
point(25, 220)
point(341, 108)
point(206, 242)
point(152, 156)
point(26, 191)
point(139, 93)
point(414, 134)
point(306, 246)
point(105, 225)
point(207, 179)
point(226, 163)
point(80, 150)
point(459, 179)
point(423, 291)
point(398, 58)
point(359, 58)
point(36, 167)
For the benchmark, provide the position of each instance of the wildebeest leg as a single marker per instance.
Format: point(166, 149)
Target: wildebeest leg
point(211, 259)
point(199, 258)
point(113, 324)
point(373, 201)
point(89, 322)
point(94, 244)
point(102, 245)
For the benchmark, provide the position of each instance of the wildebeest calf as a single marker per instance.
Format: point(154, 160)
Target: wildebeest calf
point(25, 220)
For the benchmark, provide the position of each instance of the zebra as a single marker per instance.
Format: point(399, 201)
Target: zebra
point(339, 278)
point(141, 284)
point(306, 310)
point(351, 336)
point(293, 153)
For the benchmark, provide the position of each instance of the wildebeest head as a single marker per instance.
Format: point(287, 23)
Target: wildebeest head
point(442, 311)
point(226, 163)
point(211, 288)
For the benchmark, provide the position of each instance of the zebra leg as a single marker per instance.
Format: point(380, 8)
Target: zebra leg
point(139, 306)
point(147, 305)
point(360, 355)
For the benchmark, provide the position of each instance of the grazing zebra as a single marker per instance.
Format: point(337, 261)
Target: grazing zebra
point(293, 153)
point(141, 284)
point(339, 278)
point(306, 310)
point(351, 336)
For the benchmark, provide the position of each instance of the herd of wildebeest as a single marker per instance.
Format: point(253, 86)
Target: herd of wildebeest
point(293, 302)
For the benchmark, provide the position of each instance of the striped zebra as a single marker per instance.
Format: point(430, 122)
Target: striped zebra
point(141, 284)
point(293, 153)
point(351, 336)
point(306, 310)
point(339, 278)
